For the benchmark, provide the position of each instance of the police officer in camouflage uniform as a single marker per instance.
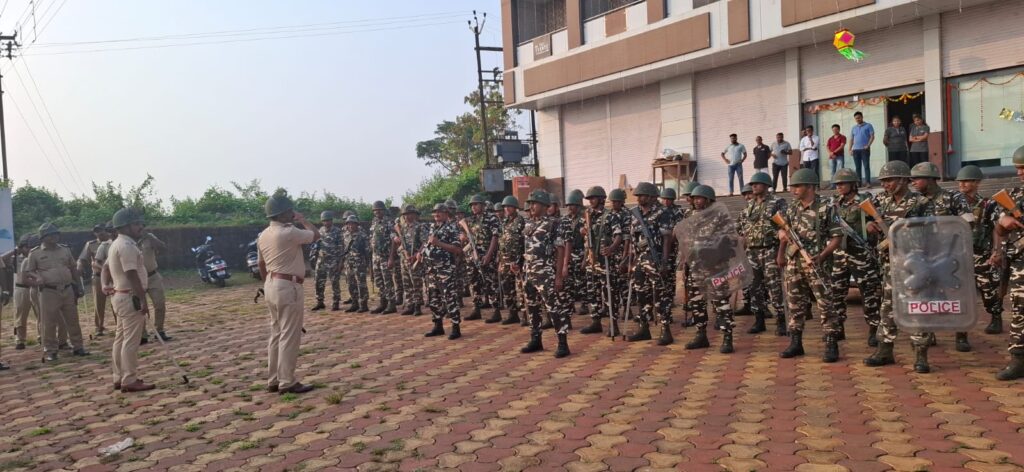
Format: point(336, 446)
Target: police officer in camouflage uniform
point(924, 178)
point(987, 276)
point(439, 256)
point(356, 259)
point(747, 192)
point(483, 265)
point(510, 258)
point(394, 264)
point(855, 257)
point(571, 227)
point(695, 304)
point(649, 248)
point(675, 215)
point(328, 261)
point(1007, 224)
point(605, 233)
point(896, 202)
point(816, 224)
point(762, 242)
point(410, 235)
point(544, 263)
point(382, 230)
point(461, 264)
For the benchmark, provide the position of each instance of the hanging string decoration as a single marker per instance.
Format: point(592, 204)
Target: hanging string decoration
point(843, 41)
point(864, 102)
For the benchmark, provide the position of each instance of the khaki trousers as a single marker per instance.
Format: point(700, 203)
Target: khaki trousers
point(24, 302)
point(57, 310)
point(100, 300)
point(159, 301)
point(284, 299)
point(127, 334)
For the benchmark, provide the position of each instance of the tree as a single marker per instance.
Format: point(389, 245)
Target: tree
point(33, 206)
point(458, 144)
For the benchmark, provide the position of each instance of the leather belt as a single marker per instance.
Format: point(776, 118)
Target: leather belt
point(123, 291)
point(289, 277)
point(54, 287)
point(150, 274)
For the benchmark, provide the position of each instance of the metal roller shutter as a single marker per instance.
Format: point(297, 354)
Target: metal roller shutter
point(585, 143)
point(983, 38)
point(748, 99)
point(894, 59)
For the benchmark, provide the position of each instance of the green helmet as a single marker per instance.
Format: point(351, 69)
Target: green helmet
point(645, 188)
point(497, 207)
point(125, 217)
point(327, 215)
point(575, 198)
point(410, 208)
point(688, 188)
point(441, 208)
point(1018, 156)
point(539, 196)
point(596, 191)
point(617, 195)
point(278, 204)
point(477, 199)
point(893, 170)
point(47, 229)
point(746, 189)
point(845, 176)
point(668, 193)
point(510, 201)
point(703, 191)
point(925, 170)
point(760, 178)
point(970, 172)
point(30, 239)
point(554, 199)
point(352, 219)
point(347, 214)
point(804, 177)
point(451, 204)
point(379, 205)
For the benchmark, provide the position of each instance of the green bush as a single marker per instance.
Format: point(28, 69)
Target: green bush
point(439, 187)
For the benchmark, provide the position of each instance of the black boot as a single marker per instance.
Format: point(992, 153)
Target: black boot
point(475, 314)
point(882, 356)
point(364, 307)
point(796, 345)
point(352, 309)
point(831, 348)
point(726, 343)
point(563, 346)
point(643, 335)
point(932, 340)
point(380, 308)
point(700, 340)
point(400, 300)
point(408, 310)
point(873, 336)
point(995, 326)
point(456, 332)
point(921, 362)
point(962, 345)
point(547, 324)
point(495, 318)
point(1014, 370)
point(513, 317)
point(389, 309)
point(666, 335)
point(417, 310)
point(841, 334)
point(347, 301)
point(593, 327)
point(758, 326)
point(319, 306)
point(780, 325)
point(437, 331)
point(534, 345)
point(336, 306)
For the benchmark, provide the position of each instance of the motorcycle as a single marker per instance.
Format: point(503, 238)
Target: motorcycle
point(252, 260)
point(211, 266)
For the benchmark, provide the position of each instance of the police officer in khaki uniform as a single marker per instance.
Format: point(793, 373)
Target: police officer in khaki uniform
point(85, 266)
point(125, 280)
point(24, 298)
point(282, 267)
point(150, 245)
point(53, 270)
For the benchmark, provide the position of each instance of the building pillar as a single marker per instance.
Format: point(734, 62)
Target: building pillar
point(678, 122)
point(934, 95)
point(549, 143)
point(794, 112)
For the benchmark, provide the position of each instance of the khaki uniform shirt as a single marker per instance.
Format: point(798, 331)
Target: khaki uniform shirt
point(280, 248)
point(88, 253)
point(148, 246)
point(101, 252)
point(53, 265)
point(123, 256)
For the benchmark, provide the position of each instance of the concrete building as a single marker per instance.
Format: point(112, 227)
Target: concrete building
point(615, 82)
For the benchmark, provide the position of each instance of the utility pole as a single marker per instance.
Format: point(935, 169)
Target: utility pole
point(9, 43)
point(477, 27)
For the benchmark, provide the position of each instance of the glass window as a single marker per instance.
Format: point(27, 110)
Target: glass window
point(700, 3)
point(538, 17)
point(987, 115)
point(592, 8)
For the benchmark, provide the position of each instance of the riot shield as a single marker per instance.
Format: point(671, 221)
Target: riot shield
point(709, 243)
point(932, 272)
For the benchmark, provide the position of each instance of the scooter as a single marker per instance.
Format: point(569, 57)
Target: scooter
point(252, 260)
point(211, 266)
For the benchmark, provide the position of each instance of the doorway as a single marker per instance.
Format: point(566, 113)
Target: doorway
point(905, 109)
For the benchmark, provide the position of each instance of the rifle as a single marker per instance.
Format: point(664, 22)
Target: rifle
point(423, 249)
point(852, 234)
point(630, 270)
point(405, 251)
point(1002, 197)
point(778, 219)
point(589, 241)
point(614, 328)
point(871, 211)
point(655, 258)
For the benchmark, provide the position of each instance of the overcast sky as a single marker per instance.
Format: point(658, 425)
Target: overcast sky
point(341, 111)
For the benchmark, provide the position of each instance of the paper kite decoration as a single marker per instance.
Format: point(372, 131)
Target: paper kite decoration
point(843, 42)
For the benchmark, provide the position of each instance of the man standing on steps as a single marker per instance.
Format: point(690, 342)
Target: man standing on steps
point(127, 278)
point(545, 264)
point(52, 268)
point(439, 256)
point(817, 227)
point(649, 248)
point(510, 258)
point(755, 225)
point(85, 260)
point(734, 155)
point(282, 267)
point(483, 265)
point(381, 229)
point(986, 275)
point(356, 257)
point(409, 239)
point(150, 245)
point(328, 262)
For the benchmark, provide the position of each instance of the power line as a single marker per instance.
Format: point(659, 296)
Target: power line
point(39, 145)
point(53, 123)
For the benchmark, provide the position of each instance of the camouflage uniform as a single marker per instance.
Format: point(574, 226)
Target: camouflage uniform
point(442, 291)
point(675, 214)
point(911, 205)
point(397, 278)
point(381, 232)
point(648, 279)
point(541, 238)
point(483, 278)
point(1015, 259)
point(605, 225)
point(356, 259)
point(510, 252)
point(576, 279)
point(328, 257)
point(987, 277)
point(815, 225)
point(411, 238)
point(724, 316)
point(762, 242)
point(857, 260)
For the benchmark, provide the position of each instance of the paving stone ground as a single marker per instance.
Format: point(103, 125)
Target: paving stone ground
point(388, 399)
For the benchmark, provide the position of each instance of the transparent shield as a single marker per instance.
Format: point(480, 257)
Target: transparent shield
point(932, 272)
point(710, 244)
